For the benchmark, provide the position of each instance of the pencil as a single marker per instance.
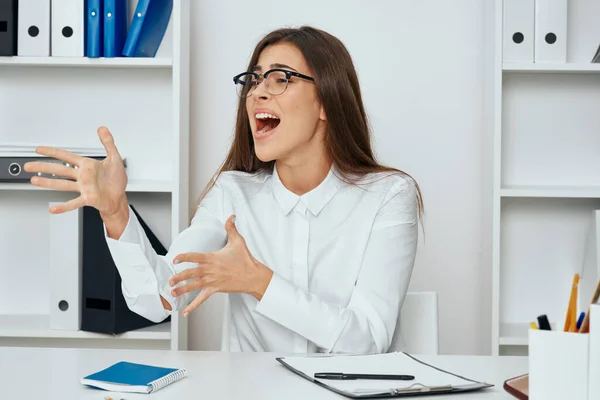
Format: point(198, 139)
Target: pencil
point(585, 325)
point(571, 320)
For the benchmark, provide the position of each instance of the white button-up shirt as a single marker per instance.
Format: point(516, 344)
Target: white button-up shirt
point(342, 256)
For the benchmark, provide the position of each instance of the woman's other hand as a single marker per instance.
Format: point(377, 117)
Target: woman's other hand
point(231, 269)
point(101, 184)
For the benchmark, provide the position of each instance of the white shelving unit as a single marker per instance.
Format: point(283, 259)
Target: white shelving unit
point(135, 185)
point(36, 326)
point(551, 192)
point(546, 181)
point(145, 104)
point(577, 68)
point(121, 62)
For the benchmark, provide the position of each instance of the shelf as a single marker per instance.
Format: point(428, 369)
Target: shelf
point(589, 68)
point(581, 192)
point(121, 62)
point(38, 326)
point(140, 186)
point(149, 186)
point(516, 334)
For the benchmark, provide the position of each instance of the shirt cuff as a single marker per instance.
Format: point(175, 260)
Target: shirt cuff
point(142, 271)
point(128, 234)
point(271, 304)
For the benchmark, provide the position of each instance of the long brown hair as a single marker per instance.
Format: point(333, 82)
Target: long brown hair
point(348, 137)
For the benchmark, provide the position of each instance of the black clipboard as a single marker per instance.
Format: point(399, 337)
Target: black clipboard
point(416, 390)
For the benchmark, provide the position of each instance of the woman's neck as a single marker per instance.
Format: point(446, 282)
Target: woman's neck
point(303, 176)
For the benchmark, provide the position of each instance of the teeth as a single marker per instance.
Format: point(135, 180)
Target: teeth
point(265, 116)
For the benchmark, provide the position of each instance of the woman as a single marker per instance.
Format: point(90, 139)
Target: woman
point(313, 240)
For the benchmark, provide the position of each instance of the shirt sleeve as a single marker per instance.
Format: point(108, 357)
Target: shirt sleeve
point(367, 323)
point(145, 274)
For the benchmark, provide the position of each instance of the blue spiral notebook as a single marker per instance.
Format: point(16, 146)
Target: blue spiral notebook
point(133, 378)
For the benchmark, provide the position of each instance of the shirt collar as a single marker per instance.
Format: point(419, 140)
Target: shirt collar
point(314, 200)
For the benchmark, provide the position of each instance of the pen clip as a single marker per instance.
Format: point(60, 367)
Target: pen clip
point(420, 388)
point(413, 388)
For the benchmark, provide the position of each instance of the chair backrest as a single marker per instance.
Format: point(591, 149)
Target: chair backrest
point(417, 329)
point(416, 332)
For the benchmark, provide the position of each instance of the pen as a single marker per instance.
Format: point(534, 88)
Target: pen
point(343, 376)
point(580, 320)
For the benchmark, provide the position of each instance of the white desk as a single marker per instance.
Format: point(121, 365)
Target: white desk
point(53, 374)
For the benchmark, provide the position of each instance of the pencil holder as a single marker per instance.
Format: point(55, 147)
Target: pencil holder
point(594, 375)
point(558, 365)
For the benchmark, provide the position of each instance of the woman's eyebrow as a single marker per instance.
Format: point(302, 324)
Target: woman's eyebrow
point(275, 65)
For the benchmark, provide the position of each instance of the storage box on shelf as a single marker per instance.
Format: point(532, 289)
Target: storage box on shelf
point(145, 104)
point(546, 186)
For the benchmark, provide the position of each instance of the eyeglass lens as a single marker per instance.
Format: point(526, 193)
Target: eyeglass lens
point(276, 83)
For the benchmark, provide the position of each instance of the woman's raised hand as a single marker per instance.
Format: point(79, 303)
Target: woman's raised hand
point(101, 184)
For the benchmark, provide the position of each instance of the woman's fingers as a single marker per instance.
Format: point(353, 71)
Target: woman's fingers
point(201, 298)
point(199, 258)
point(185, 275)
point(60, 154)
point(50, 168)
point(56, 184)
point(188, 287)
point(68, 206)
point(108, 141)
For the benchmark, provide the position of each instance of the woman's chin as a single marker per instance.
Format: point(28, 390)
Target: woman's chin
point(265, 153)
point(265, 146)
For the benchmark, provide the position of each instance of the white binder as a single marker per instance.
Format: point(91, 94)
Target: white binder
point(34, 28)
point(551, 31)
point(65, 263)
point(517, 30)
point(68, 28)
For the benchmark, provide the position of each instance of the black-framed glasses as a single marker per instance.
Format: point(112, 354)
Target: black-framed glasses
point(276, 81)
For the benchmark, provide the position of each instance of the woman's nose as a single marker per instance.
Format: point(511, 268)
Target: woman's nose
point(261, 91)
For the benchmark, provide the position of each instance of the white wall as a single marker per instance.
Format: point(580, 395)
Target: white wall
point(421, 65)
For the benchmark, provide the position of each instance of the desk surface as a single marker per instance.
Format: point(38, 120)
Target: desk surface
point(53, 374)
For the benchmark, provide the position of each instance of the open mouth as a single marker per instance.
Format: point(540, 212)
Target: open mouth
point(266, 123)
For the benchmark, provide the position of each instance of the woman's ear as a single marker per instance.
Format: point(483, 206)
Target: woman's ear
point(322, 114)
